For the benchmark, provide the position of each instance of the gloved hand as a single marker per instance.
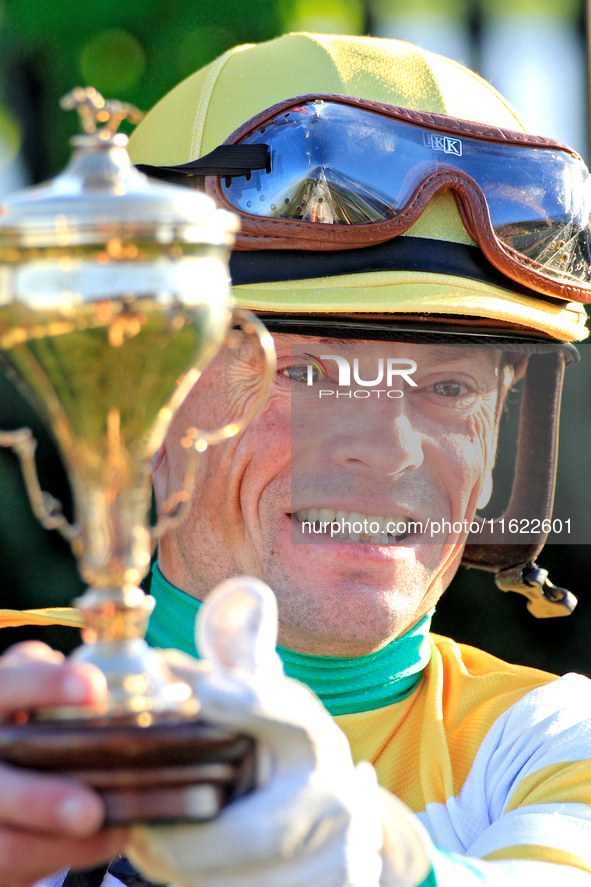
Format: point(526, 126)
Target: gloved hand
point(315, 819)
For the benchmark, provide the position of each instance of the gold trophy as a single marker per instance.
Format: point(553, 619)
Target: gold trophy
point(114, 296)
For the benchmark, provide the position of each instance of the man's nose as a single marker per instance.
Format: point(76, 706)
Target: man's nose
point(389, 447)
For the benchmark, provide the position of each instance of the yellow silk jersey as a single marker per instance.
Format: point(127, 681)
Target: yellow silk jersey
point(492, 757)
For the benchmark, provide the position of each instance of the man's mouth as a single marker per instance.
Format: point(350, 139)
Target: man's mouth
point(354, 526)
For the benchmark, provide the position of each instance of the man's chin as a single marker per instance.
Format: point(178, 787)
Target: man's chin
point(344, 621)
point(348, 598)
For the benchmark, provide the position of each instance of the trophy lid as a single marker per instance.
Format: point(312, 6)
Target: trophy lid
point(100, 195)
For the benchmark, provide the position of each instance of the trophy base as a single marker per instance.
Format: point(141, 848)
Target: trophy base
point(170, 771)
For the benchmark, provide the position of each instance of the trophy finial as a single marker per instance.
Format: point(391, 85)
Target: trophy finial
point(94, 109)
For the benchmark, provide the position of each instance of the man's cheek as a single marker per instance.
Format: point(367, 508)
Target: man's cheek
point(268, 441)
point(214, 401)
point(485, 445)
point(463, 462)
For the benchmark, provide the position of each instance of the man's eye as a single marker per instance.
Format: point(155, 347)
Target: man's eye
point(301, 374)
point(449, 389)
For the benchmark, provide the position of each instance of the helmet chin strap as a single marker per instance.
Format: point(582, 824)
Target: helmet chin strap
point(493, 548)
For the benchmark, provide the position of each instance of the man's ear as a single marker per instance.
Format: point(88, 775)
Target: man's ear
point(519, 368)
point(159, 457)
point(485, 491)
point(511, 373)
point(159, 472)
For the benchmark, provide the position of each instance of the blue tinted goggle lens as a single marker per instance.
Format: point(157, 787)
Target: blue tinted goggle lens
point(341, 164)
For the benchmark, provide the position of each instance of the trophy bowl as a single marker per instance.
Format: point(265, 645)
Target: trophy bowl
point(114, 296)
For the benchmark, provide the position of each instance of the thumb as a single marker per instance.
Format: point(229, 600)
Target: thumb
point(236, 633)
point(236, 628)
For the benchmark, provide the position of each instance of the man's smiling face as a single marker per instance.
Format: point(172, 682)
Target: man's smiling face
point(421, 456)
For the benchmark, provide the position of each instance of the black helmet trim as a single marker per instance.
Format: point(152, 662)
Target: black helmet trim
point(399, 254)
point(430, 330)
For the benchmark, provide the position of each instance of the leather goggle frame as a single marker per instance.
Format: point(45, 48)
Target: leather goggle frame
point(259, 233)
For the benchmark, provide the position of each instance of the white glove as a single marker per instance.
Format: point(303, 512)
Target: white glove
point(315, 820)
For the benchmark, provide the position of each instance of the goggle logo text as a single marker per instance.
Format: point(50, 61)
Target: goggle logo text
point(442, 143)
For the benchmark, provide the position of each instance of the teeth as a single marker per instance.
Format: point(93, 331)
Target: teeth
point(356, 521)
point(396, 525)
point(354, 526)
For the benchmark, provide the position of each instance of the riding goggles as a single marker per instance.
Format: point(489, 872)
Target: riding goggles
point(337, 173)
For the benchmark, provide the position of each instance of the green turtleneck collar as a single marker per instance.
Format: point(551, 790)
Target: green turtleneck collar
point(345, 686)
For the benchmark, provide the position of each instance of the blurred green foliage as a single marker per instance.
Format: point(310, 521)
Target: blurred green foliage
point(136, 54)
point(330, 16)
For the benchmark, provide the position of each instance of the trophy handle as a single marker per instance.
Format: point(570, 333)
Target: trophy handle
point(196, 441)
point(46, 508)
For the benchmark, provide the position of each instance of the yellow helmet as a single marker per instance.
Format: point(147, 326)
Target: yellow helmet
point(202, 112)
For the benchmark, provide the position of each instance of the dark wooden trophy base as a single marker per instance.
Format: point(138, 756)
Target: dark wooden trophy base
point(166, 772)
